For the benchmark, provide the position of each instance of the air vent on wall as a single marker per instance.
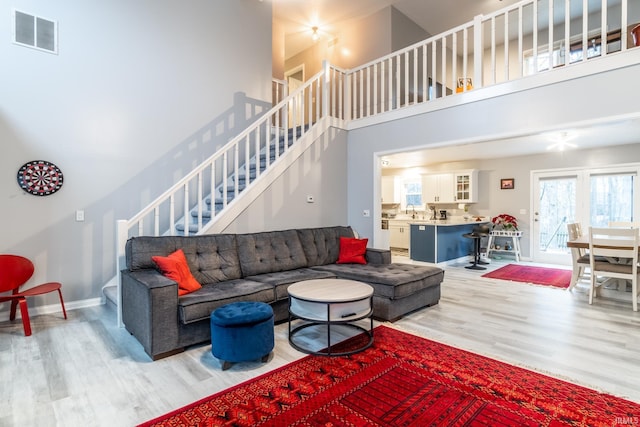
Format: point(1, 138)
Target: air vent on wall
point(35, 32)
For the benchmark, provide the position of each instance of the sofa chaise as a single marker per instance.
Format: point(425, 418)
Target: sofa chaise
point(254, 267)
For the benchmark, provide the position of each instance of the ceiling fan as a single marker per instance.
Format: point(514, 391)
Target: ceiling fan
point(561, 141)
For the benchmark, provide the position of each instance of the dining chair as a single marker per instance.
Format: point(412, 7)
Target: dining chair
point(15, 271)
point(619, 247)
point(624, 224)
point(579, 256)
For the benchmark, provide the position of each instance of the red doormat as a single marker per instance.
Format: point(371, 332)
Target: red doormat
point(538, 275)
point(404, 380)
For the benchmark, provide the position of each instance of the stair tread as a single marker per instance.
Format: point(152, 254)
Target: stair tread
point(276, 146)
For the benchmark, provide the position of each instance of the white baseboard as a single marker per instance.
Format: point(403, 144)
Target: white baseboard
point(54, 308)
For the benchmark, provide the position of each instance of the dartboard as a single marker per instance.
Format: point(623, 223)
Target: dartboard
point(40, 178)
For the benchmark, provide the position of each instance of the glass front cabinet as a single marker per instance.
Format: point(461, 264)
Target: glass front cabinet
point(466, 183)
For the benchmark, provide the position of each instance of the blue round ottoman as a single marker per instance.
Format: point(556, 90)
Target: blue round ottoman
point(242, 331)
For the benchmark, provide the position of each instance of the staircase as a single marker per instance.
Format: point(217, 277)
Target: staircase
point(425, 74)
point(222, 196)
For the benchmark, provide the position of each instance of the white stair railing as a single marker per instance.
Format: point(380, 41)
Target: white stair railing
point(509, 44)
point(195, 203)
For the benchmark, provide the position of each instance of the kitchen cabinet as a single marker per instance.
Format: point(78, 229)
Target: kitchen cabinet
point(466, 186)
point(441, 243)
point(438, 188)
point(399, 234)
point(390, 189)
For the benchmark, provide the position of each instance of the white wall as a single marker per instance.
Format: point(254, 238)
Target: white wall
point(580, 100)
point(138, 94)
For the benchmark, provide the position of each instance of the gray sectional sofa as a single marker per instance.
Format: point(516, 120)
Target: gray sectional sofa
point(254, 267)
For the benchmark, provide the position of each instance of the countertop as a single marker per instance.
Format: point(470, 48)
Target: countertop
point(446, 222)
point(456, 220)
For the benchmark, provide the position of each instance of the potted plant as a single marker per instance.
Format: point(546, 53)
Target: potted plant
point(505, 222)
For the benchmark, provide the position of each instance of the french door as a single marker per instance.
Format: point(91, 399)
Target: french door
point(593, 197)
point(555, 203)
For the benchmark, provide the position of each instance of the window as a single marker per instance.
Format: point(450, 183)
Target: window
point(413, 192)
point(611, 198)
point(545, 61)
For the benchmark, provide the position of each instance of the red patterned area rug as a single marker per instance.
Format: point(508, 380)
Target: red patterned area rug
point(404, 380)
point(555, 277)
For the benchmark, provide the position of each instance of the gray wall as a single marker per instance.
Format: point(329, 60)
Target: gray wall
point(404, 32)
point(138, 94)
point(575, 101)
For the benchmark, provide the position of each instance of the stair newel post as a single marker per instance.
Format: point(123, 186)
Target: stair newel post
point(624, 19)
point(172, 215)
point(315, 113)
point(267, 149)
point(236, 165)
point(347, 96)
point(185, 208)
point(318, 112)
point(212, 189)
point(276, 115)
point(326, 81)
point(478, 52)
point(156, 221)
point(122, 227)
point(225, 159)
point(247, 160)
point(294, 118)
point(199, 201)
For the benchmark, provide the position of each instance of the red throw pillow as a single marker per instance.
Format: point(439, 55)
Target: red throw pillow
point(352, 251)
point(175, 267)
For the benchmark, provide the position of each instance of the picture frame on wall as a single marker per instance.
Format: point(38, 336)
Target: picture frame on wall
point(507, 184)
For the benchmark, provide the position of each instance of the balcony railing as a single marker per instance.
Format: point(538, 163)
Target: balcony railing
point(509, 44)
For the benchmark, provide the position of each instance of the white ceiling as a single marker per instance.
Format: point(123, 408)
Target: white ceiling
point(600, 135)
point(297, 17)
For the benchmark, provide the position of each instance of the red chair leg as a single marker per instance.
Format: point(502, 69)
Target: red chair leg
point(62, 304)
point(12, 313)
point(24, 311)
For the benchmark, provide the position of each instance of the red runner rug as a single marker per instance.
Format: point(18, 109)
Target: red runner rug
point(555, 277)
point(404, 380)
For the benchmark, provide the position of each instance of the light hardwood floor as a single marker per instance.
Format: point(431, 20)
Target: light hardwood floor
point(87, 372)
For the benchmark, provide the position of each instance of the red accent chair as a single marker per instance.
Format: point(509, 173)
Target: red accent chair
point(14, 272)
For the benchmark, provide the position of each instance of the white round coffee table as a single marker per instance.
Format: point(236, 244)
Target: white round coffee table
point(330, 302)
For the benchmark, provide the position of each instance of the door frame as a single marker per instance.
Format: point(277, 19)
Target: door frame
point(536, 176)
point(583, 202)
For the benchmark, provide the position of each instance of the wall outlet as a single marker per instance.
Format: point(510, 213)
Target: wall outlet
point(366, 213)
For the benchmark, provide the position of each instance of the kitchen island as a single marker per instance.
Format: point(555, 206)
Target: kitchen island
point(438, 241)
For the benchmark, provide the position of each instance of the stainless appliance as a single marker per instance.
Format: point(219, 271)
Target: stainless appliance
point(385, 224)
point(443, 214)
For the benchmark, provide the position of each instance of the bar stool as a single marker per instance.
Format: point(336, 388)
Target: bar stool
point(477, 234)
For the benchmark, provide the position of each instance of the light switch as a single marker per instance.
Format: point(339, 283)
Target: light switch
point(79, 215)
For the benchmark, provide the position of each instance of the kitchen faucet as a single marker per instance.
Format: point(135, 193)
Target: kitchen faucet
point(413, 215)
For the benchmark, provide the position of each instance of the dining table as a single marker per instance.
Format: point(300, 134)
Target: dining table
point(582, 242)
